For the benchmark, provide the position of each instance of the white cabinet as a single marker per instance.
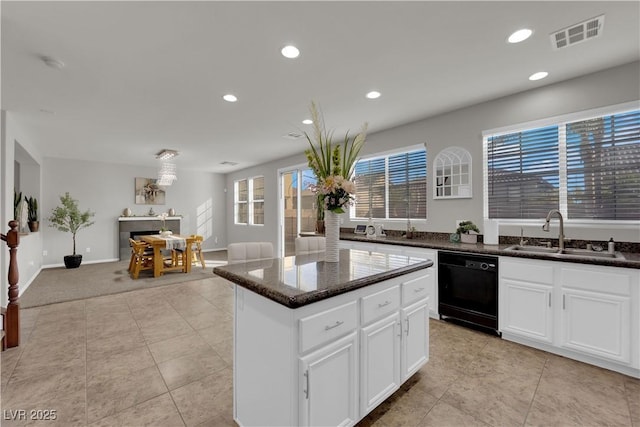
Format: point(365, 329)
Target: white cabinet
point(595, 322)
point(330, 362)
point(585, 312)
point(329, 384)
point(415, 337)
point(526, 288)
point(380, 366)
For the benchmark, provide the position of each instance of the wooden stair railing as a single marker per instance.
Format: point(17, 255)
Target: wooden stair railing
point(11, 314)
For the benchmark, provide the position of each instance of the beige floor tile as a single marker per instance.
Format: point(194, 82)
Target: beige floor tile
point(178, 346)
point(164, 327)
point(445, 415)
point(190, 367)
point(196, 400)
point(104, 347)
point(410, 405)
point(190, 302)
point(109, 395)
point(29, 392)
point(435, 378)
point(573, 393)
point(207, 319)
point(503, 402)
point(56, 410)
point(224, 349)
point(119, 364)
point(632, 388)
point(159, 411)
point(217, 333)
point(37, 363)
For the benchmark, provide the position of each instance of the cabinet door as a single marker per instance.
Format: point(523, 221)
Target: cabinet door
point(525, 310)
point(328, 384)
point(415, 338)
point(380, 362)
point(597, 324)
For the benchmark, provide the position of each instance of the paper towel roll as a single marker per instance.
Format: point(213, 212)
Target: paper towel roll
point(491, 232)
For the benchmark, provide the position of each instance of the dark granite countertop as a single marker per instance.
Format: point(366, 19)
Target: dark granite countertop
point(631, 259)
point(305, 279)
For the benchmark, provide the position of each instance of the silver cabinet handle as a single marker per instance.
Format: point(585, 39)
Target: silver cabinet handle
point(563, 303)
point(549, 299)
point(400, 329)
point(418, 290)
point(306, 392)
point(407, 320)
point(335, 325)
point(384, 304)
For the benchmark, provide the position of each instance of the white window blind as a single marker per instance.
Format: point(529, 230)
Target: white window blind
point(523, 173)
point(392, 187)
point(241, 191)
point(589, 169)
point(257, 192)
point(603, 167)
point(249, 201)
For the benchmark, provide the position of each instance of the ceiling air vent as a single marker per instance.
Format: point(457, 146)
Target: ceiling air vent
point(292, 135)
point(578, 33)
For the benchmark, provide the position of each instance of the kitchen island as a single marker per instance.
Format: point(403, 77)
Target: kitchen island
point(319, 343)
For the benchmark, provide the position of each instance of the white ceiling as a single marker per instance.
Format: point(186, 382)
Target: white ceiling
point(142, 76)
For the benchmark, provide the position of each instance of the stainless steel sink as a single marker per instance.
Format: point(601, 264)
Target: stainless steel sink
point(534, 249)
point(567, 252)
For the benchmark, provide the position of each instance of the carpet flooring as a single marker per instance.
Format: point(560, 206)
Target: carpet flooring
point(54, 285)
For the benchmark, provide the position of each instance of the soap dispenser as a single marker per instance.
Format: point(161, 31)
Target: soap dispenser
point(612, 246)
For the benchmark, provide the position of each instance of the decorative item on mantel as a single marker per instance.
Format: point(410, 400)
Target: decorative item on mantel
point(164, 231)
point(126, 212)
point(465, 229)
point(172, 212)
point(333, 167)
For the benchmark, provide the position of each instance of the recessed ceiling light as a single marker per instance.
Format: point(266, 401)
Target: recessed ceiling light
point(373, 94)
point(520, 35)
point(290, 52)
point(539, 75)
point(230, 98)
point(307, 121)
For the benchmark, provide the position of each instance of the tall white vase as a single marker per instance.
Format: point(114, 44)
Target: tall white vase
point(332, 235)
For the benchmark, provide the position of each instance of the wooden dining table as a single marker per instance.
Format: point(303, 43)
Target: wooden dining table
point(159, 243)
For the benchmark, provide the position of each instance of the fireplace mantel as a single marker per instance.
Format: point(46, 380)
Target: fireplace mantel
point(127, 224)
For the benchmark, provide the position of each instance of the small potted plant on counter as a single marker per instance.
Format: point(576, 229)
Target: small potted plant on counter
point(468, 232)
point(68, 218)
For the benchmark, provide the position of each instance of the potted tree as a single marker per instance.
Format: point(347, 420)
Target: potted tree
point(34, 224)
point(465, 229)
point(68, 218)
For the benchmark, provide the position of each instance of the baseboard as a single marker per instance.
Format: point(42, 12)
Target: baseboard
point(214, 250)
point(96, 261)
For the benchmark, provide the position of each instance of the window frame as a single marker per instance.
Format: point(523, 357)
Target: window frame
point(249, 203)
point(386, 155)
point(561, 121)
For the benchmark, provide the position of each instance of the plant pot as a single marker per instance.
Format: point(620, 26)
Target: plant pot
point(72, 261)
point(320, 226)
point(468, 238)
point(34, 226)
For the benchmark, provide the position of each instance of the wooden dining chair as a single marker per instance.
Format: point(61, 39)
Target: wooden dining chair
point(141, 258)
point(178, 256)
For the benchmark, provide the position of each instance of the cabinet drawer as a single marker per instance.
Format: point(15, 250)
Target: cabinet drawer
point(380, 304)
point(529, 271)
point(327, 325)
point(416, 289)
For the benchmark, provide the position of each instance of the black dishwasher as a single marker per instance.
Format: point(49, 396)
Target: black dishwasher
point(468, 288)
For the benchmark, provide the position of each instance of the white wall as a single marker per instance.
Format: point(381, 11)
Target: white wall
point(464, 128)
point(107, 189)
point(30, 248)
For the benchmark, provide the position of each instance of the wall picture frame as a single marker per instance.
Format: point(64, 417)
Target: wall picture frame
point(148, 192)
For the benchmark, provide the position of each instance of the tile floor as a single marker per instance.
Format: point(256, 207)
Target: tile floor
point(162, 357)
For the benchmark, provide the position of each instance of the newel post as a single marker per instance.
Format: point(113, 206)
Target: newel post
point(12, 314)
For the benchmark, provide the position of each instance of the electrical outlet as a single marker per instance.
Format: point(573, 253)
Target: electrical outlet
point(44, 253)
point(88, 250)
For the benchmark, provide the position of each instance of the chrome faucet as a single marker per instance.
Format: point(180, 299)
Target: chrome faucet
point(545, 227)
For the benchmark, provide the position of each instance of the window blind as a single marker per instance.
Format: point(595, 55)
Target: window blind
point(393, 186)
point(257, 199)
point(523, 173)
point(603, 167)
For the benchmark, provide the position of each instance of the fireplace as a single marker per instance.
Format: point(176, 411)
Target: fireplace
point(130, 227)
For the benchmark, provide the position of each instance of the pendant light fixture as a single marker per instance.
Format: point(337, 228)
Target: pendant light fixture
point(167, 171)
